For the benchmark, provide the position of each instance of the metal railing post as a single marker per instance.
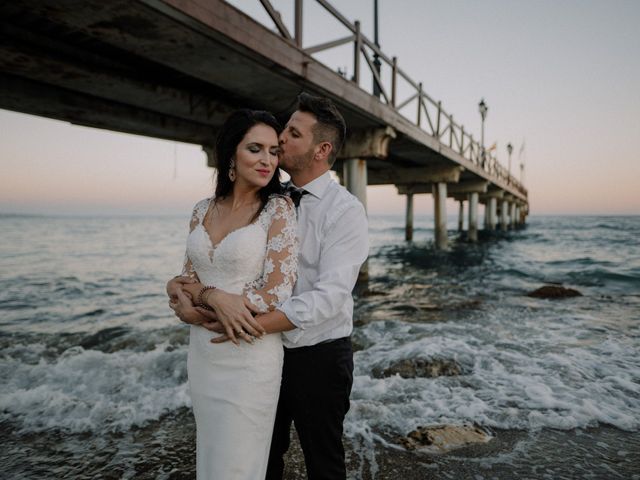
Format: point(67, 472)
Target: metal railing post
point(394, 75)
point(356, 54)
point(298, 23)
point(419, 104)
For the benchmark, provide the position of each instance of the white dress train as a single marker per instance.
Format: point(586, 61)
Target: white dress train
point(234, 390)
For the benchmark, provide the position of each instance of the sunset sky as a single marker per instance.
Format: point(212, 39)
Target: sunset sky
point(562, 77)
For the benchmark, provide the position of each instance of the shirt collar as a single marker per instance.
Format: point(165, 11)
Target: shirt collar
point(318, 186)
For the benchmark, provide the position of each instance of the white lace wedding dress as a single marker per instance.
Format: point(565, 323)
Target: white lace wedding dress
point(234, 390)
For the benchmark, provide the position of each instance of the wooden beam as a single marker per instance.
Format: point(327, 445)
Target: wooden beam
point(411, 176)
point(70, 69)
point(35, 98)
point(473, 186)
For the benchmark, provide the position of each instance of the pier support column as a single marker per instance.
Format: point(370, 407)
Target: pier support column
point(493, 209)
point(473, 217)
point(485, 222)
point(360, 145)
point(461, 216)
point(517, 216)
point(408, 230)
point(440, 214)
point(355, 178)
point(504, 216)
point(512, 215)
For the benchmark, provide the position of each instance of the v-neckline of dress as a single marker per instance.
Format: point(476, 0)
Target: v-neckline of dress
point(215, 246)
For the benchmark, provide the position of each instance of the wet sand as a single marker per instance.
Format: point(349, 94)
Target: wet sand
point(549, 454)
point(164, 449)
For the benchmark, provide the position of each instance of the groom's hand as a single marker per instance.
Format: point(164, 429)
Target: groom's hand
point(184, 309)
point(177, 283)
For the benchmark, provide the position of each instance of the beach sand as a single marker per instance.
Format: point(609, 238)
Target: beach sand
point(165, 449)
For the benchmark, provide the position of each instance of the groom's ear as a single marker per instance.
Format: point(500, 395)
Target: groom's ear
point(323, 151)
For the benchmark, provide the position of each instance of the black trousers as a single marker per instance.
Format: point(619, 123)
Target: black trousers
point(314, 395)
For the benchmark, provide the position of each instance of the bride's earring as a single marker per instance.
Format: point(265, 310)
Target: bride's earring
point(232, 171)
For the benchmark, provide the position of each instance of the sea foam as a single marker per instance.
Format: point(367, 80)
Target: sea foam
point(88, 390)
point(530, 374)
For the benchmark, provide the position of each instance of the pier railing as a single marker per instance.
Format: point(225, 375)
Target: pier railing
point(428, 113)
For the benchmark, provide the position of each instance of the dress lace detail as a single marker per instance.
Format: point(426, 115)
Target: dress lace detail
point(275, 285)
point(197, 217)
point(259, 260)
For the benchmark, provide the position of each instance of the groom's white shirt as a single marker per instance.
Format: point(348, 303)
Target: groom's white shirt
point(334, 243)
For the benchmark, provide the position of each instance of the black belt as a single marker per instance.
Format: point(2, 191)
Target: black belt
point(330, 342)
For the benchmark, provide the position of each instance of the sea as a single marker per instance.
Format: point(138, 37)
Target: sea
point(94, 365)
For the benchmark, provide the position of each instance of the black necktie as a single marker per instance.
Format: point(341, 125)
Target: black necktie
point(294, 193)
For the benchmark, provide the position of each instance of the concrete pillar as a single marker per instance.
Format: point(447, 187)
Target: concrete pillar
point(461, 216)
point(504, 216)
point(512, 215)
point(517, 215)
point(440, 214)
point(408, 230)
point(486, 216)
point(492, 206)
point(473, 217)
point(355, 178)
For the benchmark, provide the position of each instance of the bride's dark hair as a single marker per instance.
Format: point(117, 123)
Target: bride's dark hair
point(229, 137)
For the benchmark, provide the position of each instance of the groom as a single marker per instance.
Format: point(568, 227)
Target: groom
point(318, 360)
point(317, 320)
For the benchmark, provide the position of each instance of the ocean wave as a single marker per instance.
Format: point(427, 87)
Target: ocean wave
point(533, 376)
point(596, 277)
point(89, 390)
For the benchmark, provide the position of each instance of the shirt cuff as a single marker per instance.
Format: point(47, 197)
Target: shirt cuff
point(294, 335)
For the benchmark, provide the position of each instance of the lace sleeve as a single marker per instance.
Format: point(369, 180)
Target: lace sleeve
point(196, 217)
point(281, 259)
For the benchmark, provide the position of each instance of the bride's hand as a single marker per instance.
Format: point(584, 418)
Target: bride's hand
point(235, 317)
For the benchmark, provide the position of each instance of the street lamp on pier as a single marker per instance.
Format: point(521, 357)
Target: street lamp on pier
point(376, 58)
point(483, 114)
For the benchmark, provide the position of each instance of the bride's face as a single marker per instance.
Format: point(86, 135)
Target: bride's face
point(256, 156)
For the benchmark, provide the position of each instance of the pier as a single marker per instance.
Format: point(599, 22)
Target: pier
point(174, 69)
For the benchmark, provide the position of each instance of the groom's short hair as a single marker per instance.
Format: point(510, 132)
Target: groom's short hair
point(330, 127)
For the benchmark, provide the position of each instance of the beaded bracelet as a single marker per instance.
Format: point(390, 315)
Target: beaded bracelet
point(200, 301)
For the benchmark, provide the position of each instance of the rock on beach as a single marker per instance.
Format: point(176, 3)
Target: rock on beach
point(554, 291)
point(443, 438)
point(412, 368)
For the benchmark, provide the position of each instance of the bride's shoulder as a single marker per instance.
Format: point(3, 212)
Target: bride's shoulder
point(278, 206)
point(279, 202)
point(203, 203)
point(201, 207)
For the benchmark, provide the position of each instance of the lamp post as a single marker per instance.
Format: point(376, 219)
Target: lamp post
point(376, 58)
point(483, 114)
point(509, 151)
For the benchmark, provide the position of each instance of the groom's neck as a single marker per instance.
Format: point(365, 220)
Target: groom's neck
point(300, 179)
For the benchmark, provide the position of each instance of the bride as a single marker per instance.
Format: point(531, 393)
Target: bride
point(242, 241)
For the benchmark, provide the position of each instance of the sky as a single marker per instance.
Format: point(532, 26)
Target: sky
point(560, 77)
